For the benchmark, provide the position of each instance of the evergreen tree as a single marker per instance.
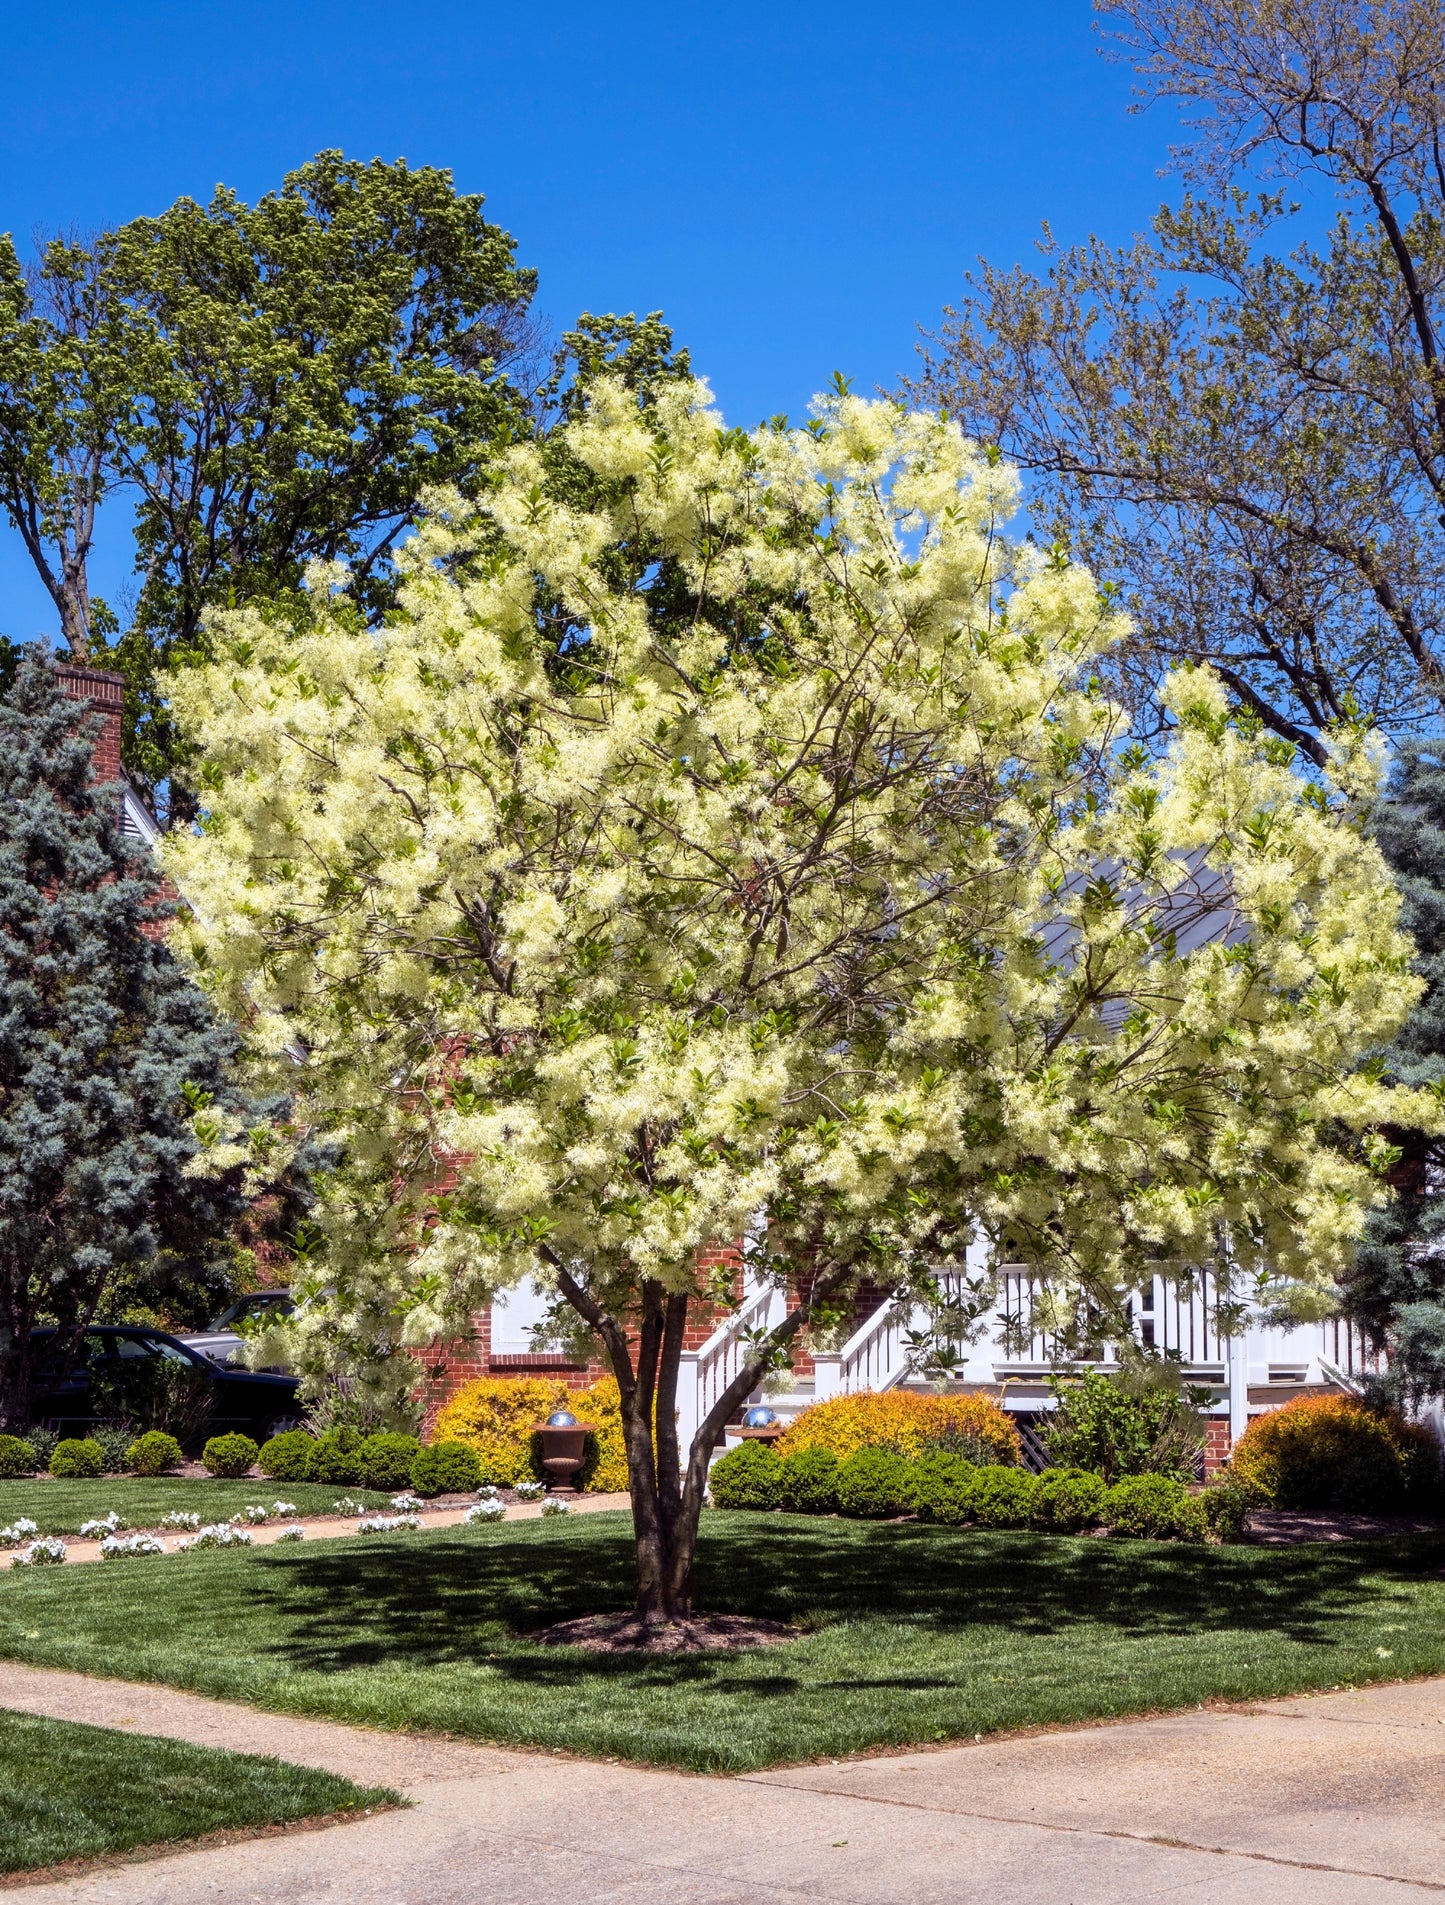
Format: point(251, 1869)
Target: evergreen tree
point(1397, 1287)
point(113, 1069)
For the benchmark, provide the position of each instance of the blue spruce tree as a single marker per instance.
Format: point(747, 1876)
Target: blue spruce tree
point(105, 1046)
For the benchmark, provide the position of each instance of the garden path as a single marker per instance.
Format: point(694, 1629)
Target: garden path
point(1330, 1799)
point(330, 1527)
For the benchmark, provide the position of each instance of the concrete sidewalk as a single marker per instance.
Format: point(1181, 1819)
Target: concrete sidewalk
point(1334, 1799)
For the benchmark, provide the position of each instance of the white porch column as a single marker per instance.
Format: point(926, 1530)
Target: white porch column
point(827, 1375)
point(1238, 1386)
point(689, 1403)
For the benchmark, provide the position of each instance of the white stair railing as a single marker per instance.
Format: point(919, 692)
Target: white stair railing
point(705, 1373)
point(872, 1358)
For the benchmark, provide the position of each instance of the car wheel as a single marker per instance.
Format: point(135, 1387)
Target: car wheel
point(280, 1425)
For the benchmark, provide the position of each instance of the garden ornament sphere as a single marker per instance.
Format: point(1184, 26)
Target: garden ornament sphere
point(759, 1419)
point(562, 1419)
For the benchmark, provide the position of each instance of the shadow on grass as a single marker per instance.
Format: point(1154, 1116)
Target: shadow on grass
point(475, 1597)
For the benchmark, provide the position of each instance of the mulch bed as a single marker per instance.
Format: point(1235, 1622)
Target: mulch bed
point(1284, 1527)
point(698, 1634)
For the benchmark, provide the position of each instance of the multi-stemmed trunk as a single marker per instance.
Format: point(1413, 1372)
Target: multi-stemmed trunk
point(667, 1493)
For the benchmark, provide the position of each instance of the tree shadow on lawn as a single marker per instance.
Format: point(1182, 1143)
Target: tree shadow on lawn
point(463, 1597)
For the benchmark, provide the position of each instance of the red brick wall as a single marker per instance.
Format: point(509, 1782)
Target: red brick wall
point(1216, 1445)
point(105, 693)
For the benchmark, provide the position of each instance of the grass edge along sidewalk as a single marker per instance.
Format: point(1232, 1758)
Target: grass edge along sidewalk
point(907, 1634)
point(79, 1793)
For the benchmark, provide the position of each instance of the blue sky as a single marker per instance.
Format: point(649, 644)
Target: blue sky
point(797, 188)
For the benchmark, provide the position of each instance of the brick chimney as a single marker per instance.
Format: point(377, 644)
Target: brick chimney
point(106, 695)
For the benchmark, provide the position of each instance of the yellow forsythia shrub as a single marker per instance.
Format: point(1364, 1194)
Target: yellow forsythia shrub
point(903, 1420)
point(601, 1405)
point(1333, 1452)
point(497, 1415)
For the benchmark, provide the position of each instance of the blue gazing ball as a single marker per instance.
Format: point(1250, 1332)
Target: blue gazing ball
point(759, 1419)
point(562, 1419)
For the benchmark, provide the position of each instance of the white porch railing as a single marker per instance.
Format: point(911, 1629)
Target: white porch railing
point(705, 1373)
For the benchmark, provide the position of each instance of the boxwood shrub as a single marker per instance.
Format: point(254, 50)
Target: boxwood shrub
point(153, 1453)
point(1004, 1497)
point(229, 1456)
point(77, 1458)
point(1067, 1500)
point(446, 1468)
point(873, 1484)
point(289, 1457)
point(386, 1461)
point(17, 1457)
point(941, 1488)
point(1154, 1508)
point(808, 1482)
point(336, 1457)
point(749, 1476)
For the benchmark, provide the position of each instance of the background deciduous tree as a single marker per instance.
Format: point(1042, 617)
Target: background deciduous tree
point(264, 385)
point(744, 830)
point(1240, 422)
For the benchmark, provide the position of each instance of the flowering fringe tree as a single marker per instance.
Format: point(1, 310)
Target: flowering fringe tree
point(731, 823)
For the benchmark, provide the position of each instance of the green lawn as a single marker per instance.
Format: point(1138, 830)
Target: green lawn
point(60, 1507)
point(909, 1633)
point(76, 1792)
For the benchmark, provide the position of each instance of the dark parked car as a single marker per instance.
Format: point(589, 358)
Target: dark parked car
point(141, 1375)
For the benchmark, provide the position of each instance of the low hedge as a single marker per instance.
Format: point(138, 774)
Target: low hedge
point(289, 1457)
point(808, 1482)
point(229, 1456)
point(336, 1457)
point(385, 1461)
point(1154, 1508)
point(17, 1457)
point(77, 1459)
point(1333, 1452)
point(1068, 1500)
point(907, 1422)
point(446, 1468)
point(875, 1484)
point(153, 1453)
point(748, 1476)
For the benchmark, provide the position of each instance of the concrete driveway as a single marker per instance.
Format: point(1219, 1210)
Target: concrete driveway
point(1335, 1797)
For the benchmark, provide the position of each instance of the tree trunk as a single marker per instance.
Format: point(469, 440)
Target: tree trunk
point(666, 1496)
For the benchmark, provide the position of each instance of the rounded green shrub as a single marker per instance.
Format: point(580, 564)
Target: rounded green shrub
point(942, 1487)
point(1154, 1508)
point(17, 1457)
point(874, 1483)
point(749, 1476)
point(153, 1453)
point(77, 1460)
point(808, 1481)
point(337, 1456)
point(446, 1468)
point(229, 1456)
point(1067, 1500)
point(1227, 1505)
point(386, 1461)
point(288, 1457)
point(1004, 1497)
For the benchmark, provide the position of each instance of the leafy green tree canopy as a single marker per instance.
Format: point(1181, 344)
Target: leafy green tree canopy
point(266, 385)
point(751, 835)
point(124, 1144)
point(1243, 425)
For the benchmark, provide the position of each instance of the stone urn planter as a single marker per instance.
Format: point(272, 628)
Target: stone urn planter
point(564, 1449)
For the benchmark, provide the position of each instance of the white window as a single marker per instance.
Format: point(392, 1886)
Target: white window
point(515, 1314)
